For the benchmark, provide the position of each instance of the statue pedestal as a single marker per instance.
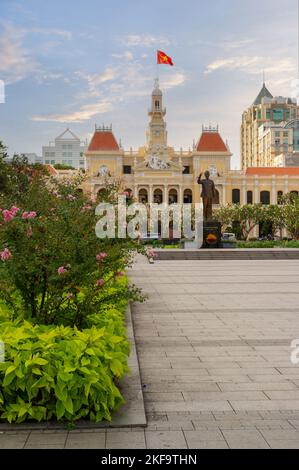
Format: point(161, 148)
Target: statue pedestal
point(211, 235)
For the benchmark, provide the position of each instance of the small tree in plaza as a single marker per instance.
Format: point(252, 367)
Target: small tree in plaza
point(274, 215)
point(225, 215)
point(290, 214)
point(249, 217)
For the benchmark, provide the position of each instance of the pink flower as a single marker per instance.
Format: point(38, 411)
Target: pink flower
point(5, 254)
point(71, 197)
point(61, 270)
point(120, 274)
point(127, 194)
point(100, 282)
point(32, 215)
point(14, 210)
point(8, 215)
point(25, 215)
point(101, 256)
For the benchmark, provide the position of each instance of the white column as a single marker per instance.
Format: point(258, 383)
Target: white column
point(286, 185)
point(181, 195)
point(244, 198)
point(256, 191)
point(165, 197)
point(150, 200)
point(136, 191)
point(274, 191)
point(224, 194)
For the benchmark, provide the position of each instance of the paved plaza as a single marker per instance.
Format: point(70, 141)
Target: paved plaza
point(213, 342)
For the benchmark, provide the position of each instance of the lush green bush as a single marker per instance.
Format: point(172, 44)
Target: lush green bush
point(53, 268)
point(63, 295)
point(56, 372)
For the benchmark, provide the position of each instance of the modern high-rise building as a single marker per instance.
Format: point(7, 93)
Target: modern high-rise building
point(266, 131)
point(67, 149)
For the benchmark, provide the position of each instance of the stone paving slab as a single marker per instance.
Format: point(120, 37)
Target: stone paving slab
point(215, 367)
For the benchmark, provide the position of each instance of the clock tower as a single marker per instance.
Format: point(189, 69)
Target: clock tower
point(157, 134)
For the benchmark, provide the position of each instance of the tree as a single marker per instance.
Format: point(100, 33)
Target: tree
point(225, 215)
point(290, 214)
point(274, 215)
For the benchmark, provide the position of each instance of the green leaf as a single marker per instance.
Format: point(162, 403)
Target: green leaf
point(68, 403)
point(60, 409)
point(90, 352)
point(116, 339)
point(10, 369)
point(40, 361)
point(116, 367)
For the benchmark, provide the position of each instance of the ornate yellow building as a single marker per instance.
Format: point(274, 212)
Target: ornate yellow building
point(158, 173)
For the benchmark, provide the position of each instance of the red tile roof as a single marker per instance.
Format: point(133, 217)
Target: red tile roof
point(103, 140)
point(211, 142)
point(269, 171)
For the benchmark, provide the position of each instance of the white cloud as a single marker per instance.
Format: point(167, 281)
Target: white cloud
point(95, 81)
point(49, 32)
point(176, 80)
point(16, 62)
point(229, 44)
point(126, 55)
point(85, 113)
point(119, 82)
point(254, 65)
point(145, 40)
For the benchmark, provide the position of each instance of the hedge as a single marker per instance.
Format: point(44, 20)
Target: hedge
point(57, 372)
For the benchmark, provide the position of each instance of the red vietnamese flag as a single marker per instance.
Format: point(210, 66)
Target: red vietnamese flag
point(163, 58)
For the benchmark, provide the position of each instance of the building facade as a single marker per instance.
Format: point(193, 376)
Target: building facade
point(267, 129)
point(67, 149)
point(157, 173)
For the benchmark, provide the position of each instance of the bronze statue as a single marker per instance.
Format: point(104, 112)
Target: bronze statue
point(208, 194)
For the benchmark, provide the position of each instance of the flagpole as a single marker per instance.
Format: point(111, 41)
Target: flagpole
point(157, 65)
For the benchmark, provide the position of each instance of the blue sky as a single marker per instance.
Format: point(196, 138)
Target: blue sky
point(74, 63)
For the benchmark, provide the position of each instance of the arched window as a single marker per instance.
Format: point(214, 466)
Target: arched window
point(142, 196)
point(216, 199)
point(249, 197)
point(279, 197)
point(265, 198)
point(157, 105)
point(102, 194)
point(173, 196)
point(158, 196)
point(295, 193)
point(188, 197)
point(236, 196)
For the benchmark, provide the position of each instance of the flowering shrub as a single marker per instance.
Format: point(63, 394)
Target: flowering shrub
point(53, 268)
point(63, 294)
